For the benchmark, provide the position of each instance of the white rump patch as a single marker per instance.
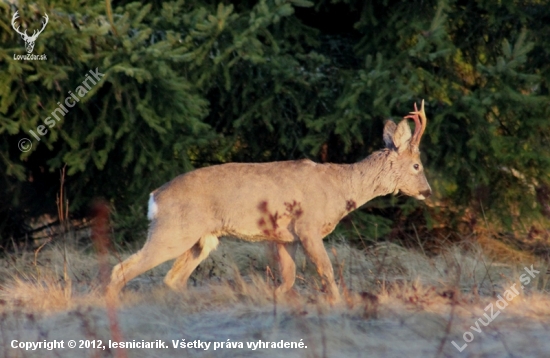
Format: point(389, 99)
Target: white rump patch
point(209, 243)
point(153, 208)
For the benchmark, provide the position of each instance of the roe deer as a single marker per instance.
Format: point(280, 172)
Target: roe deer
point(285, 203)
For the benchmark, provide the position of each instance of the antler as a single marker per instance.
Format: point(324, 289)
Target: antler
point(46, 22)
point(420, 120)
point(24, 34)
point(15, 16)
point(43, 26)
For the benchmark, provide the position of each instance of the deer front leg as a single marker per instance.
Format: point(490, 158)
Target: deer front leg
point(285, 254)
point(315, 250)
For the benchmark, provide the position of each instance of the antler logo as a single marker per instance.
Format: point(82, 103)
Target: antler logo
point(29, 40)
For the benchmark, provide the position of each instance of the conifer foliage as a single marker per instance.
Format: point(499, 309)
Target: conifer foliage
point(192, 83)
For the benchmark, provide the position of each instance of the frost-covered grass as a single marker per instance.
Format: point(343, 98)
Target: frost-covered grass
point(397, 302)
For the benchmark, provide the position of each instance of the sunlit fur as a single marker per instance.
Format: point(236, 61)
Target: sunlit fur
point(287, 203)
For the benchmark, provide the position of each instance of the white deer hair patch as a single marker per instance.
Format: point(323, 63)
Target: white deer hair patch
point(153, 208)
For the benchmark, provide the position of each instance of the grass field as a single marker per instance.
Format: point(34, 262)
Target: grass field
point(397, 303)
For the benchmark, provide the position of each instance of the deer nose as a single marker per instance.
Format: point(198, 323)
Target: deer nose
point(426, 193)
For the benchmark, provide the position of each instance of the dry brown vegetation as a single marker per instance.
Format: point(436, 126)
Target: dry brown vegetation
point(398, 303)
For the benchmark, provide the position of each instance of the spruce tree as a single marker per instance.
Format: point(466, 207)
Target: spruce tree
point(189, 84)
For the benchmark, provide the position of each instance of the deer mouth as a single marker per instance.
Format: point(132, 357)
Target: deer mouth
point(423, 195)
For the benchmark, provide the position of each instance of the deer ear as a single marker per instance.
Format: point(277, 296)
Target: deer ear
point(389, 131)
point(402, 135)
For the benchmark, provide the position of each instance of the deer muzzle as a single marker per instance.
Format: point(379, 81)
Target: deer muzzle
point(424, 194)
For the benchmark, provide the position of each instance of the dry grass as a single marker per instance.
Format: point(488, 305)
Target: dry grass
point(398, 302)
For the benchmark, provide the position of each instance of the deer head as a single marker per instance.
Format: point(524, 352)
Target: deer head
point(405, 172)
point(29, 40)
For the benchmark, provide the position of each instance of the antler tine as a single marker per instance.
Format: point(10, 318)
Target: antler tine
point(424, 121)
point(15, 17)
point(45, 22)
point(417, 125)
point(420, 120)
point(35, 33)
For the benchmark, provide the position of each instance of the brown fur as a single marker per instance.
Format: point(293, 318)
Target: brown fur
point(286, 203)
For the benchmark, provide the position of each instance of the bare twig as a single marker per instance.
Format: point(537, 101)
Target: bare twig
point(100, 238)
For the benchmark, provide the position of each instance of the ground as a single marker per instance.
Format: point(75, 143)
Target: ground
point(397, 303)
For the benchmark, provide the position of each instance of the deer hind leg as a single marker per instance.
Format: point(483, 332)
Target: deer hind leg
point(315, 250)
point(165, 242)
point(184, 265)
point(285, 254)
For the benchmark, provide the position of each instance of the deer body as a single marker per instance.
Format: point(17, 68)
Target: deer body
point(286, 203)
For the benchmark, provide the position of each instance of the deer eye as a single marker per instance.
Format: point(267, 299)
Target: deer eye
point(416, 166)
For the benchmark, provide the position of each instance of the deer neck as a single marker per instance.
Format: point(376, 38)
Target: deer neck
point(371, 177)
